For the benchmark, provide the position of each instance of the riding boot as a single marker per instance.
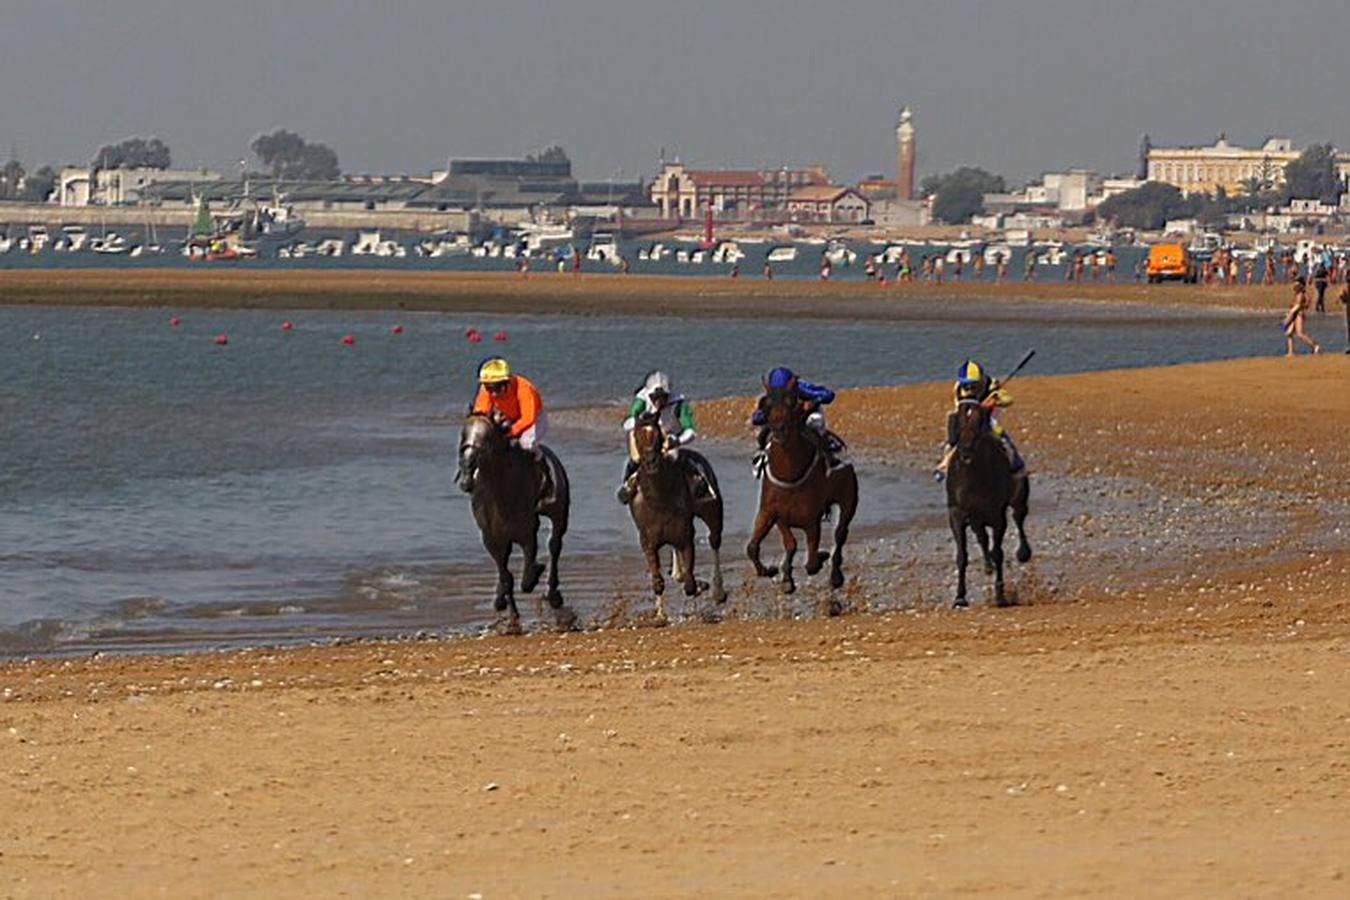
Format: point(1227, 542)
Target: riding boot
point(1015, 461)
point(760, 461)
point(699, 485)
point(834, 447)
point(940, 473)
point(628, 489)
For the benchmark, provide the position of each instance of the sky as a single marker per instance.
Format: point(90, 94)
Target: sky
point(401, 85)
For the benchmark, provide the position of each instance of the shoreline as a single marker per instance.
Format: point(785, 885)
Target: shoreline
point(595, 294)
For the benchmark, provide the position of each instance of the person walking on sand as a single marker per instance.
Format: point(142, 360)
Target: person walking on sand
point(1294, 320)
point(1029, 266)
point(1111, 266)
point(1320, 277)
point(768, 271)
point(1000, 268)
point(1269, 277)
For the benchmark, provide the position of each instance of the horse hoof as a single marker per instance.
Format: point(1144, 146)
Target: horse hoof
point(531, 579)
point(719, 596)
point(1024, 553)
point(658, 586)
point(837, 579)
point(500, 603)
point(834, 608)
point(769, 572)
point(789, 587)
point(961, 603)
point(565, 618)
point(509, 626)
point(1001, 601)
point(555, 599)
point(989, 568)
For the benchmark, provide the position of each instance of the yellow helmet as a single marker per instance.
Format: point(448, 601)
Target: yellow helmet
point(494, 371)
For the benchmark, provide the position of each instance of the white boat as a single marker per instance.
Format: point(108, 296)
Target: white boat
point(785, 253)
point(367, 242)
point(891, 254)
point(1017, 237)
point(331, 247)
point(963, 254)
point(6, 243)
point(37, 238)
point(110, 243)
point(73, 239)
point(697, 257)
point(603, 248)
point(682, 256)
point(813, 241)
point(840, 253)
point(728, 252)
point(996, 253)
point(538, 236)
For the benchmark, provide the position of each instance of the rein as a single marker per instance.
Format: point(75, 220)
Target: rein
point(791, 485)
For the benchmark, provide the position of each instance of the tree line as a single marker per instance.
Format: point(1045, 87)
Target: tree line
point(281, 154)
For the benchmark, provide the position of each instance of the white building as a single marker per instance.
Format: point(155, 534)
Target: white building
point(83, 186)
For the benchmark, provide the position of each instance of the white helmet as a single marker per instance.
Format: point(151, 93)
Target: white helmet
point(656, 381)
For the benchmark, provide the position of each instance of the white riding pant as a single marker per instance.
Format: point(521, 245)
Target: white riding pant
point(817, 420)
point(529, 438)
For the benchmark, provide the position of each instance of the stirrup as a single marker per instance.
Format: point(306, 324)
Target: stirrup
point(627, 491)
point(759, 463)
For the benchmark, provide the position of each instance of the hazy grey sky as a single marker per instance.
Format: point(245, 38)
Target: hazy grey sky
point(399, 85)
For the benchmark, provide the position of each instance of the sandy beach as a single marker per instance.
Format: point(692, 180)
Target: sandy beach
point(591, 293)
point(1180, 730)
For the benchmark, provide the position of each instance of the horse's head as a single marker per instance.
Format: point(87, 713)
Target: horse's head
point(650, 441)
point(972, 421)
point(478, 439)
point(782, 410)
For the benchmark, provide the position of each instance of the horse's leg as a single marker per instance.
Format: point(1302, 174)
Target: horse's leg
point(1020, 506)
point(789, 551)
point(652, 551)
point(847, 502)
point(713, 519)
point(983, 538)
point(506, 600)
point(555, 542)
point(814, 558)
point(533, 568)
point(996, 550)
point(958, 524)
point(763, 522)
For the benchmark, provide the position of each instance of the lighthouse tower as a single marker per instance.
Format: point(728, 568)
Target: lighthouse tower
point(904, 155)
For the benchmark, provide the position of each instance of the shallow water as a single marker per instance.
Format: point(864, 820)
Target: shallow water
point(156, 488)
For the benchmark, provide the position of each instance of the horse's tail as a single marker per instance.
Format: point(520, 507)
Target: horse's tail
point(562, 485)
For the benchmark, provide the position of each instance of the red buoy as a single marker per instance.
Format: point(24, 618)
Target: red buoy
point(287, 326)
point(397, 329)
point(348, 340)
point(499, 336)
point(475, 338)
point(222, 339)
point(175, 322)
point(470, 331)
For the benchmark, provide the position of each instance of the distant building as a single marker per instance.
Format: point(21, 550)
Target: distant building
point(745, 194)
point(828, 203)
point(84, 186)
point(1223, 165)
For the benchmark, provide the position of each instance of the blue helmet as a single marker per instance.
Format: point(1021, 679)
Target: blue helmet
point(780, 379)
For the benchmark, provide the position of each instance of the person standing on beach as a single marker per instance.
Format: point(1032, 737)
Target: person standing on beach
point(978, 265)
point(576, 262)
point(938, 263)
point(768, 270)
point(956, 268)
point(1029, 266)
point(1269, 277)
point(1320, 277)
point(1111, 266)
point(1294, 320)
point(1000, 268)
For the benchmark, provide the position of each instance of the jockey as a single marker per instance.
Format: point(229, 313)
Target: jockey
point(814, 397)
point(974, 383)
point(514, 402)
point(676, 417)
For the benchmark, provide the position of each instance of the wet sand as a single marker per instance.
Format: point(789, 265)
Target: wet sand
point(593, 293)
point(1178, 728)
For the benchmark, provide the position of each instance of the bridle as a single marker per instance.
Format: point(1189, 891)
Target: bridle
point(791, 399)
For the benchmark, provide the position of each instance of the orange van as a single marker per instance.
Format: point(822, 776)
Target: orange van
point(1170, 262)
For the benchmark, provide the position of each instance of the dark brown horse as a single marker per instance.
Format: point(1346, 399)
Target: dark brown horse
point(799, 488)
point(665, 507)
point(504, 484)
point(980, 489)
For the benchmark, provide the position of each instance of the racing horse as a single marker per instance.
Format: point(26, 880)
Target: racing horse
point(798, 489)
point(980, 490)
point(504, 485)
point(665, 507)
